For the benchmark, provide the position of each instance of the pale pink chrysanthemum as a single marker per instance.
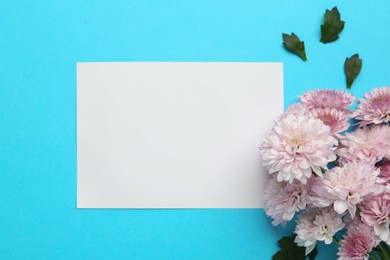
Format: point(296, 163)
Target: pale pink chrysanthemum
point(357, 243)
point(375, 212)
point(337, 120)
point(297, 109)
point(338, 99)
point(346, 186)
point(374, 108)
point(297, 146)
point(317, 225)
point(367, 144)
point(283, 199)
point(349, 222)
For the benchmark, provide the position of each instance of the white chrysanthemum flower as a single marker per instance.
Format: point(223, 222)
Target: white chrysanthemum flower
point(297, 146)
point(317, 225)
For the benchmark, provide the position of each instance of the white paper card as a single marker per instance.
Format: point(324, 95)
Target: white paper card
point(174, 134)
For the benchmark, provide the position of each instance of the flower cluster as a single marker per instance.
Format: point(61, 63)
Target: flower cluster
point(334, 175)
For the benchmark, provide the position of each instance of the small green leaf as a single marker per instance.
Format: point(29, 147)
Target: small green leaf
point(293, 44)
point(289, 250)
point(352, 67)
point(332, 26)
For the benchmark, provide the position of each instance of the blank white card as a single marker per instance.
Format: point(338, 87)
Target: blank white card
point(174, 134)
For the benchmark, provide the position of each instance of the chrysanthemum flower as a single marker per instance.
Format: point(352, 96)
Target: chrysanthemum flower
point(283, 199)
point(349, 222)
point(317, 225)
point(367, 144)
point(357, 243)
point(297, 109)
point(374, 108)
point(346, 186)
point(337, 120)
point(296, 146)
point(338, 99)
point(375, 212)
point(385, 172)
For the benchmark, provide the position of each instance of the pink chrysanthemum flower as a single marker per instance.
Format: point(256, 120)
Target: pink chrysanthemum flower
point(338, 99)
point(385, 172)
point(357, 243)
point(374, 108)
point(337, 120)
point(283, 199)
point(297, 146)
point(367, 144)
point(375, 212)
point(346, 186)
point(297, 109)
point(317, 225)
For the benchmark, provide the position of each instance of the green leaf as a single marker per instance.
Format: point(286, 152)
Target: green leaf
point(293, 44)
point(289, 250)
point(352, 67)
point(332, 26)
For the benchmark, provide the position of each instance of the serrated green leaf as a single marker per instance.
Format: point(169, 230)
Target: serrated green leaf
point(332, 26)
point(352, 68)
point(289, 250)
point(293, 44)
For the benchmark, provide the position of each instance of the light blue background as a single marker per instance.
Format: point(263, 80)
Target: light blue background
point(42, 40)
